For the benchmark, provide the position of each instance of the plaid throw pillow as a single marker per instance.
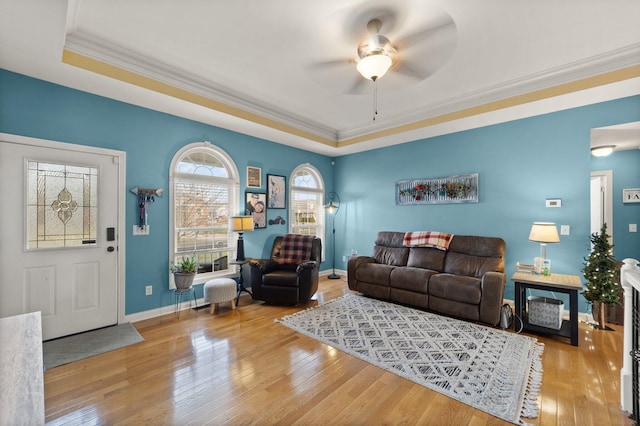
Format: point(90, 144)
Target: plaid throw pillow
point(295, 249)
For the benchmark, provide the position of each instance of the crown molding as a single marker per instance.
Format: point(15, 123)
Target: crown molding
point(590, 67)
point(552, 82)
point(95, 48)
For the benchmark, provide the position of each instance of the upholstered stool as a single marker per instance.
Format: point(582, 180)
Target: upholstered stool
point(218, 291)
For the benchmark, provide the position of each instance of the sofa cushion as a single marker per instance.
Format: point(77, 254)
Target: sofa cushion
point(396, 256)
point(390, 239)
point(427, 258)
point(455, 287)
point(281, 278)
point(375, 273)
point(474, 256)
point(413, 279)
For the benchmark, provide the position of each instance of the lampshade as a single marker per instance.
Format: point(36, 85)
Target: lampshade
point(374, 66)
point(602, 151)
point(241, 224)
point(331, 208)
point(544, 232)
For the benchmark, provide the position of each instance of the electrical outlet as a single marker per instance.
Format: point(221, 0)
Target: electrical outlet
point(140, 230)
point(633, 227)
point(344, 258)
point(148, 290)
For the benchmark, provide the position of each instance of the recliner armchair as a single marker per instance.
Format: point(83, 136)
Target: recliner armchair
point(287, 284)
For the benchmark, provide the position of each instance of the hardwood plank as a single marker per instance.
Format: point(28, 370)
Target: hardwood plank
point(241, 367)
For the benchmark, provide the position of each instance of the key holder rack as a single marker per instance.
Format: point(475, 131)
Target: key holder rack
point(145, 196)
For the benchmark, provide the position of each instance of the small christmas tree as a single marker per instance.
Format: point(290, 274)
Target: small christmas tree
point(600, 271)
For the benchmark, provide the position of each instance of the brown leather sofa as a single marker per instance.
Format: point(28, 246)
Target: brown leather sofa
point(285, 284)
point(466, 281)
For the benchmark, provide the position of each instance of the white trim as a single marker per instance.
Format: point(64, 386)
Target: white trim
point(320, 190)
point(121, 231)
point(231, 167)
point(607, 189)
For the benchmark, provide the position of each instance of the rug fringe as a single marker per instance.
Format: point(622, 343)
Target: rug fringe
point(530, 407)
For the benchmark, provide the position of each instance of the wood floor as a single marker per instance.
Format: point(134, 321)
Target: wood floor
point(241, 367)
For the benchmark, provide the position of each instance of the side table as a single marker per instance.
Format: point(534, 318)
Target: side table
point(567, 284)
point(241, 286)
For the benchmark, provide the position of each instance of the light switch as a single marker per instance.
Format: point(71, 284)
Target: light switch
point(633, 227)
point(565, 229)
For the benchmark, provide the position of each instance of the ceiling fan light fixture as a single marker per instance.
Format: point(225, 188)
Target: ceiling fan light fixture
point(602, 151)
point(374, 66)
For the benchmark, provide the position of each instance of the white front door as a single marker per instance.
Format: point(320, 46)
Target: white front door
point(58, 236)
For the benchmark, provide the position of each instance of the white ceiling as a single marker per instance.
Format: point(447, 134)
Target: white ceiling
point(284, 70)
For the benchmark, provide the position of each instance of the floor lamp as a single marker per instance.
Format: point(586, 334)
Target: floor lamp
point(332, 208)
point(240, 224)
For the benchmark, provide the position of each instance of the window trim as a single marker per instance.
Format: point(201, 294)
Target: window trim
point(234, 196)
point(319, 190)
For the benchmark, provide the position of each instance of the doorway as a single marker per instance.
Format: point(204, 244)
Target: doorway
point(61, 221)
point(602, 202)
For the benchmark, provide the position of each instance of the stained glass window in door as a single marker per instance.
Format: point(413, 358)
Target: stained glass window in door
point(62, 205)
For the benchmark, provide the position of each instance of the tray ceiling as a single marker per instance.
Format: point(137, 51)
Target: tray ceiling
point(284, 70)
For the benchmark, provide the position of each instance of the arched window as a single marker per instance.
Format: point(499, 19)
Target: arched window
point(204, 194)
point(306, 213)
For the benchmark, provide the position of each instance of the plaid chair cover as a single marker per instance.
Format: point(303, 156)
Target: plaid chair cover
point(295, 249)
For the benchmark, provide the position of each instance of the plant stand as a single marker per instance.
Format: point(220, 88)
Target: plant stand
point(179, 295)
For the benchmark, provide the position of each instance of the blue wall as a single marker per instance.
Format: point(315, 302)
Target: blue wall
point(520, 164)
point(625, 166)
point(38, 109)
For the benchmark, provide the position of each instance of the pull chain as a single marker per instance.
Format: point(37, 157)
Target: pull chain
point(375, 98)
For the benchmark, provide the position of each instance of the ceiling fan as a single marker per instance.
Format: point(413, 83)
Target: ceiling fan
point(408, 56)
point(416, 54)
point(376, 53)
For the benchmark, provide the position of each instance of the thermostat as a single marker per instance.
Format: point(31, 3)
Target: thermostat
point(554, 202)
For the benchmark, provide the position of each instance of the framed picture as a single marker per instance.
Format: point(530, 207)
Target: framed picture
point(631, 195)
point(277, 195)
point(256, 207)
point(451, 189)
point(254, 177)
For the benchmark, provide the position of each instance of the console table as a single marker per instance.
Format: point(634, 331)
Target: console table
point(567, 284)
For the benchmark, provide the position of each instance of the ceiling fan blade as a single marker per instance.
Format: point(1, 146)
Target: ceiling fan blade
point(332, 63)
point(411, 70)
point(444, 28)
point(359, 86)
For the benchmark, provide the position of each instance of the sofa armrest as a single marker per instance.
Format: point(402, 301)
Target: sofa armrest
point(353, 264)
point(493, 284)
point(263, 265)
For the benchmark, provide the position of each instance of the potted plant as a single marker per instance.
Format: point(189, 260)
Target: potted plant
point(600, 271)
point(184, 272)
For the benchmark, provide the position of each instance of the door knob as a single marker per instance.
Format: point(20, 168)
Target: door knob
point(110, 249)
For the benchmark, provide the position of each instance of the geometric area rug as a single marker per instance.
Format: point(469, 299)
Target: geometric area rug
point(489, 369)
point(84, 345)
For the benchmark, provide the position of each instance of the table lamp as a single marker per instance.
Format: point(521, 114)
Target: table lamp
point(240, 224)
point(543, 233)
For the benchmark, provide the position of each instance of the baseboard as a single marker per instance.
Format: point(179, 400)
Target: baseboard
point(169, 309)
point(330, 271)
